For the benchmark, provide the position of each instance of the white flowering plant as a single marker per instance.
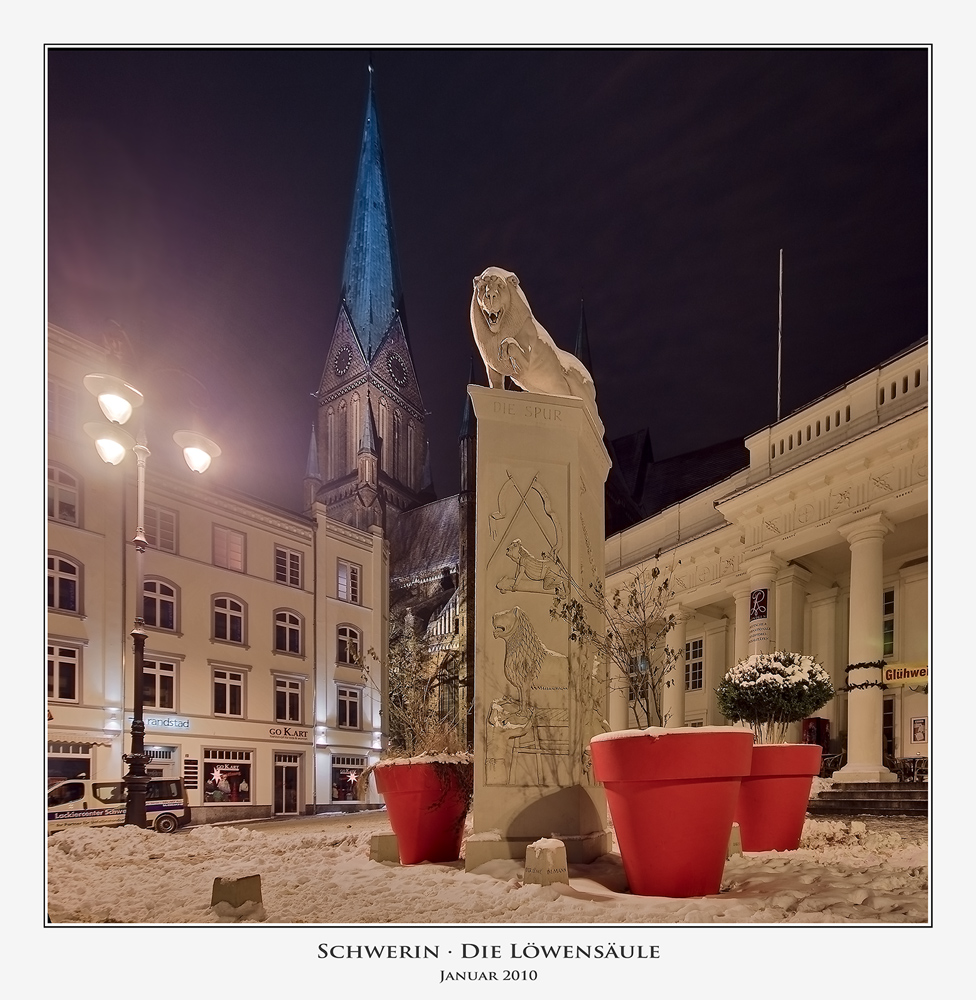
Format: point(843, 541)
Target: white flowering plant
point(771, 690)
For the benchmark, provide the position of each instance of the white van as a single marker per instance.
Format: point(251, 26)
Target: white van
point(82, 802)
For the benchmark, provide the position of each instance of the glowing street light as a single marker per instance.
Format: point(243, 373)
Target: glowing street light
point(117, 400)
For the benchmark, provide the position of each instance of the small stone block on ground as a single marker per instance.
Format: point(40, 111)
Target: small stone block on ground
point(383, 847)
point(236, 891)
point(735, 841)
point(545, 863)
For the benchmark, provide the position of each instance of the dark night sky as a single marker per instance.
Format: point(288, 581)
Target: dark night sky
point(201, 198)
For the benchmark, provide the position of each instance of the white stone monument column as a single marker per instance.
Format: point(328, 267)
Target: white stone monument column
point(865, 699)
point(539, 697)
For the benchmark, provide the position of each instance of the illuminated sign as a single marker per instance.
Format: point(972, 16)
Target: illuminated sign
point(164, 722)
point(289, 733)
point(910, 674)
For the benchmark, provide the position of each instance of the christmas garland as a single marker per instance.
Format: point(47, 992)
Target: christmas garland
point(865, 684)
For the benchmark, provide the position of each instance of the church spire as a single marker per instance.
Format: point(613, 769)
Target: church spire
point(370, 275)
point(368, 437)
point(468, 421)
point(582, 350)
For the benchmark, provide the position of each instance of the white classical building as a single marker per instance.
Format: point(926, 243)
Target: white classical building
point(819, 545)
point(255, 618)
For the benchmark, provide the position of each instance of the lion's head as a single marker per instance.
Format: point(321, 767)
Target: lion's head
point(524, 651)
point(493, 293)
point(505, 623)
point(514, 549)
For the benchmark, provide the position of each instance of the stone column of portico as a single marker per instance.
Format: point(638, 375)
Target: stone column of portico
point(791, 596)
point(673, 695)
point(716, 638)
point(762, 571)
point(865, 703)
point(823, 647)
point(741, 595)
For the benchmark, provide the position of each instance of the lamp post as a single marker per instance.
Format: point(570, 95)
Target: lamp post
point(117, 400)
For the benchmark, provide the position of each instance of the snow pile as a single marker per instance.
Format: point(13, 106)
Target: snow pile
point(320, 873)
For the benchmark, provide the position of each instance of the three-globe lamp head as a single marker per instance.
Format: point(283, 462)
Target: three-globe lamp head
point(117, 400)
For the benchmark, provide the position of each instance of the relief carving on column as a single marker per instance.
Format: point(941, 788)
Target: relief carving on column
point(528, 728)
point(535, 554)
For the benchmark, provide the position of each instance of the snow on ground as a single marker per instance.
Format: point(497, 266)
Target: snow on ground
point(318, 871)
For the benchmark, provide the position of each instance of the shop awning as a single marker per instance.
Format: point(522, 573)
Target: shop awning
point(73, 736)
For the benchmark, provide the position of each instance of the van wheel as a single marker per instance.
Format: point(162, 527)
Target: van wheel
point(165, 824)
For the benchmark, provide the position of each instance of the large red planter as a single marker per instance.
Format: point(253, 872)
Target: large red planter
point(427, 803)
point(672, 794)
point(773, 798)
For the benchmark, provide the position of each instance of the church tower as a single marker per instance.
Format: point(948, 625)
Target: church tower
point(370, 436)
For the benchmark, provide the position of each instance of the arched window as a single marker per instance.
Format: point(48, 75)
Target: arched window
point(63, 584)
point(397, 462)
point(348, 644)
point(159, 604)
point(288, 632)
point(62, 495)
point(228, 619)
point(342, 442)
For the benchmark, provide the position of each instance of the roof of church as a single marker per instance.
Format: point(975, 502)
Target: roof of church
point(371, 275)
point(426, 540)
point(671, 480)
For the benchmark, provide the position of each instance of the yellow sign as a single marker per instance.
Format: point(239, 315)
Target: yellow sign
point(915, 674)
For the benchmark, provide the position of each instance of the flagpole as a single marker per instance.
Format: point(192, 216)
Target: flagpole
point(779, 341)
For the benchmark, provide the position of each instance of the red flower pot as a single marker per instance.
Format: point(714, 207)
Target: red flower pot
point(773, 798)
point(672, 794)
point(427, 803)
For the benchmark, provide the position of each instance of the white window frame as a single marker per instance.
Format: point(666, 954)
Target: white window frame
point(291, 625)
point(229, 679)
point(157, 599)
point(348, 636)
point(288, 566)
point(63, 486)
point(293, 689)
point(56, 574)
point(229, 614)
point(349, 702)
point(695, 664)
point(160, 527)
point(60, 655)
point(62, 409)
point(160, 668)
point(229, 548)
point(888, 626)
point(349, 579)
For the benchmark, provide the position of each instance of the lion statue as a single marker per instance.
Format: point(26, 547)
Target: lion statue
point(526, 658)
point(536, 569)
point(513, 342)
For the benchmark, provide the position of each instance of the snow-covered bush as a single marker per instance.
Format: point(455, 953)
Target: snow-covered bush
point(771, 690)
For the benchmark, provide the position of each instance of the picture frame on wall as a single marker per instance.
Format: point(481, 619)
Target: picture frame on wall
point(920, 730)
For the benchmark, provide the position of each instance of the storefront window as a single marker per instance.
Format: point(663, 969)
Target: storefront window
point(345, 773)
point(227, 776)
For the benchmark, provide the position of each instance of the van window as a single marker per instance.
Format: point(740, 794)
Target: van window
point(71, 791)
point(160, 788)
point(108, 791)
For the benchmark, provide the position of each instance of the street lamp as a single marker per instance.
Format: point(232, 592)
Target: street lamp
point(117, 400)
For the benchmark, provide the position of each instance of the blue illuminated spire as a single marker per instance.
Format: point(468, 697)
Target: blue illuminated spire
point(371, 275)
